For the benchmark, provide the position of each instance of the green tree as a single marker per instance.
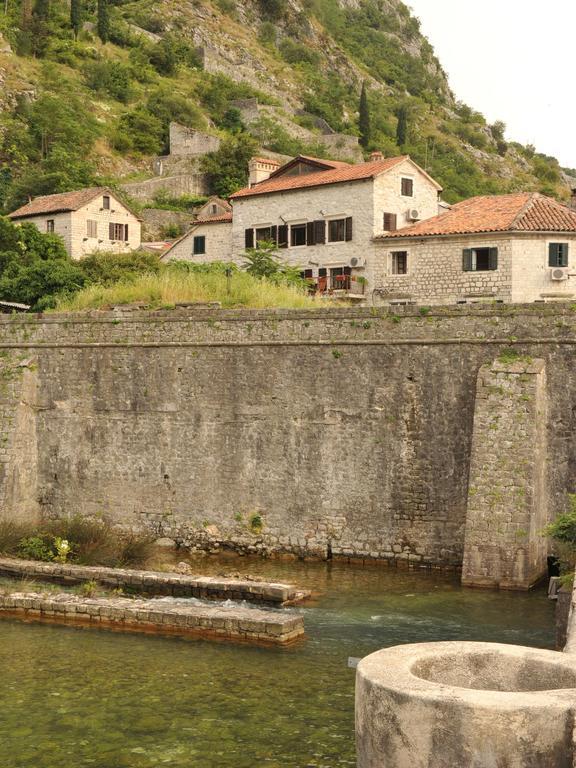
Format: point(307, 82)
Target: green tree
point(364, 118)
point(264, 262)
point(228, 166)
point(103, 21)
point(76, 17)
point(402, 128)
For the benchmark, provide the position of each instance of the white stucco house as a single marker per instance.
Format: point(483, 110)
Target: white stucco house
point(500, 248)
point(325, 215)
point(88, 220)
point(209, 238)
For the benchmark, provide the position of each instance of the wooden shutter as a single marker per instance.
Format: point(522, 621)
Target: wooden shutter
point(283, 236)
point(111, 232)
point(310, 233)
point(320, 232)
point(274, 234)
point(467, 259)
point(390, 222)
point(349, 229)
point(564, 255)
point(493, 259)
point(558, 255)
point(126, 232)
point(249, 238)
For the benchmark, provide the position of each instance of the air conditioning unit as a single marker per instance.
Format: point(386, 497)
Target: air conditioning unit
point(414, 215)
point(357, 261)
point(558, 274)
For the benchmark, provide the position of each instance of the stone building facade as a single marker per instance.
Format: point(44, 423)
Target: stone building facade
point(87, 220)
point(209, 240)
point(507, 248)
point(325, 215)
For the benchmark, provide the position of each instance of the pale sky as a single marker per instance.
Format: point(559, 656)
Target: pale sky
point(512, 60)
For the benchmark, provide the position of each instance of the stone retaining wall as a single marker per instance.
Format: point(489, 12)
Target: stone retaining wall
point(234, 623)
point(157, 583)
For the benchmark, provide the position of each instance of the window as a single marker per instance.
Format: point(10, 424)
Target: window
point(480, 259)
point(263, 234)
point(408, 187)
point(297, 235)
point(336, 231)
point(390, 222)
point(340, 230)
point(558, 255)
point(199, 245)
point(50, 225)
point(106, 202)
point(399, 263)
point(92, 229)
point(118, 232)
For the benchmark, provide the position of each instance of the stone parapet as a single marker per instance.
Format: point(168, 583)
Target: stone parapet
point(155, 582)
point(157, 616)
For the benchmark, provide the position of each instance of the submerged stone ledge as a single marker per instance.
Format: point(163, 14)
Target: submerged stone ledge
point(156, 582)
point(238, 623)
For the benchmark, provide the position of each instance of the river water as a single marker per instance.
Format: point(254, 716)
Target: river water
point(71, 698)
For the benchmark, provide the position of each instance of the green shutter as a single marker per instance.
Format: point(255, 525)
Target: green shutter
point(274, 234)
point(553, 254)
point(565, 250)
point(467, 259)
point(283, 236)
point(249, 238)
point(493, 261)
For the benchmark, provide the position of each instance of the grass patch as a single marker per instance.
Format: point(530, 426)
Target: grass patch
point(175, 286)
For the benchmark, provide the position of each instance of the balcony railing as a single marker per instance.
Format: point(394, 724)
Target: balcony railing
point(339, 284)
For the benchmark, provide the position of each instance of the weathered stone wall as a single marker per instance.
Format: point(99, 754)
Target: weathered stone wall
point(155, 221)
point(176, 186)
point(507, 499)
point(341, 432)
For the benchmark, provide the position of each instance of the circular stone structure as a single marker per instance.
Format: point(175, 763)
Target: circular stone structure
point(466, 705)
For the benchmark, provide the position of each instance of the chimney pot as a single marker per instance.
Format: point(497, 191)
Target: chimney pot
point(376, 155)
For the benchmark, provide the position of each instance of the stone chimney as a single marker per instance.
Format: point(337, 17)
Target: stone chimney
point(260, 168)
point(376, 156)
point(572, 203)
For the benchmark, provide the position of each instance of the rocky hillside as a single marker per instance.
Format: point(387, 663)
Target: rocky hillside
point(75, 110)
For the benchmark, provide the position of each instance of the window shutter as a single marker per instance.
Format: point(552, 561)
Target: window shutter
point(320, 232)
point(493, 263)
point(467, 259)
point(553, 254)
point(310, 232)
point(274, 234)
point(390, 222)
point(249, 238)
point(111, 231)
point(126, 232)
point(564, 255)
point(283, 236)
point(349, 229)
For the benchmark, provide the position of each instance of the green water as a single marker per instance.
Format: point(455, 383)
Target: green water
point(72, 698)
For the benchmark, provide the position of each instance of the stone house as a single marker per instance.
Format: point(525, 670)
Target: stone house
point(325, 215)
point(501, 248)
point(87, 220)
point(209, 239)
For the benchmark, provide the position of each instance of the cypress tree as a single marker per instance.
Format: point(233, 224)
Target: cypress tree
point(402, 128)
point(103, 21)
point(76, 16)
point(364, 118)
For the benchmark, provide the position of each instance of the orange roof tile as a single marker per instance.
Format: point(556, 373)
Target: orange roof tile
point(66, 201)
point(337, 175)
point(523, 212)
point(217, 218)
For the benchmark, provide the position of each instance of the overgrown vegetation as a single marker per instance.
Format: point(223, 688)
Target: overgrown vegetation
point(563, 533)
point(79, 540)
point(94, 95)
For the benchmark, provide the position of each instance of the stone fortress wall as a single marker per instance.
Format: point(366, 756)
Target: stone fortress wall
point(332, 433)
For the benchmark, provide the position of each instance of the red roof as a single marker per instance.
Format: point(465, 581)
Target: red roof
point(66, 201)
point(217, 218)
point(340, 173)
point(524, 212)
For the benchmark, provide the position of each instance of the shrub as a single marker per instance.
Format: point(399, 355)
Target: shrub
point(139, 131)
point(11, 534)
point(109, 268)
point(38, 547)
point(110, 77)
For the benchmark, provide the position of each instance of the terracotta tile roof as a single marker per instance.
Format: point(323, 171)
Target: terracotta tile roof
point(215, 219)
point(266, 160)
point(67, 201)
point(524, 212)
point(322, 161)
point(337, 175)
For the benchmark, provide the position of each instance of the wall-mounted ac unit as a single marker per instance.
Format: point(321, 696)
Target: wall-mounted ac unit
point(414, 215)
point(357, 261)
point(559, 274)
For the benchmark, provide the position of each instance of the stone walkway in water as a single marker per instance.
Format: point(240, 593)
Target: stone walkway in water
point(160, 616)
